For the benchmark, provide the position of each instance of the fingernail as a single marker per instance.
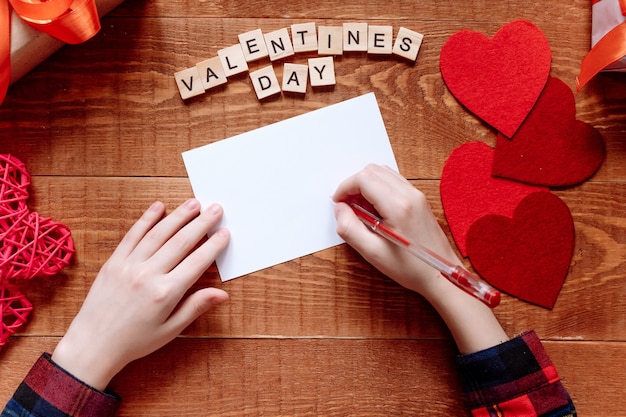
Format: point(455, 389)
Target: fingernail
point(214, 208)
point(223, 232)
point(156, 206)
point(219, 299)
point(192, 203)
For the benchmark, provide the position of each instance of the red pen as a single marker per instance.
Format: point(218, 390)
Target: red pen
point(457, 275)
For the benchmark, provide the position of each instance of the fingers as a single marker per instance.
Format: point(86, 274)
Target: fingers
point(380, 185)
point(157, 237)
point(185, 235)
point(137, 232)
point(191, 308)
point(356, 234)
point(196, 263)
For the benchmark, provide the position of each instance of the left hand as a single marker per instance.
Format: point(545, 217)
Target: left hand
point(134, 306)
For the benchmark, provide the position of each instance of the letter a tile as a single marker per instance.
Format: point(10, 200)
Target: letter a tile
point(211, 72)
point(295, 78)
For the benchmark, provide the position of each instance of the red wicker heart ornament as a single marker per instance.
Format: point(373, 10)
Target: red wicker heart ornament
point(30, 245)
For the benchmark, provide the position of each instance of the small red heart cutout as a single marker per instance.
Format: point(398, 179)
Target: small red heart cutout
point(551, 147)
point(528, 255)
point(499, 79)
point(469, 191)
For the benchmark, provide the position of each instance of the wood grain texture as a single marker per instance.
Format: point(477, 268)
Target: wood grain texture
point(322, 377)
point(101, 127)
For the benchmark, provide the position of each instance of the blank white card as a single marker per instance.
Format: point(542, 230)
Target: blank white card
point(275, 183)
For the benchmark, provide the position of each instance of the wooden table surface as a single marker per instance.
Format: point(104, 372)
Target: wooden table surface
point(101, 127)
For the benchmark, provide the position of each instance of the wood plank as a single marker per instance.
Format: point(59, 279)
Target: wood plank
point(357, 301)
point(468, 11)
point(313, 377)
point(103, 124)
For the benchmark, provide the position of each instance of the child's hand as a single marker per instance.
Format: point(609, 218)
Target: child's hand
point(134, 306)
point(404, 209)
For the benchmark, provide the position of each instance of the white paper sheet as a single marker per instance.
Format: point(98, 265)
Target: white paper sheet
point(275, 183)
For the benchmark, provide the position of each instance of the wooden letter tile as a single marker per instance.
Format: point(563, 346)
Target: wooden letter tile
point(189, 83)
point(233, 60)
point(211, 72)
point(407, 43)
point(253, 45)
point(295, 77)
point(322, 71)
point(380, 40)
point(265, 82)
point(304, 37)
point(330, 40)
point(355, 37)
point(279, 44)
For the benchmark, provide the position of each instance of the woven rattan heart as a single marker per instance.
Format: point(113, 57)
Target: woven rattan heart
point(30, 245)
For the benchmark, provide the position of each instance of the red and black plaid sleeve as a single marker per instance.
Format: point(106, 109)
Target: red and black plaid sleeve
point(49, 391)
point(516, 378)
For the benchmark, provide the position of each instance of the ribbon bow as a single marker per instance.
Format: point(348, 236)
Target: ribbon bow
point(608, 50)
point(71, 21)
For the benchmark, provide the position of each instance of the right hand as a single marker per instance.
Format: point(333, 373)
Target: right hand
point(404, 209)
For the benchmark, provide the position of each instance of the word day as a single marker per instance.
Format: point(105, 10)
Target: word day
point(305, 37)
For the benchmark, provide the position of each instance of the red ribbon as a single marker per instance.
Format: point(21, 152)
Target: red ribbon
point(71, 21)
point(611, 48)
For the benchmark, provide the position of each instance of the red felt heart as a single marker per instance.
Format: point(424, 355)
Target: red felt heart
point(499, 79)
point(469, 191)
point(551, 147)
point(529, 255)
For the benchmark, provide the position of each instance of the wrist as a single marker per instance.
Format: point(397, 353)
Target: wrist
point(471, 322)
point(84, 363)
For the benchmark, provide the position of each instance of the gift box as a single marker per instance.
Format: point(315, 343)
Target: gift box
point(32, 40)
point(608, 40)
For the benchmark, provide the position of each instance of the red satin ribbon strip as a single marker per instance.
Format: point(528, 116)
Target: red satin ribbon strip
point(77, 23)
point(71, 21)
point(611, 48)
point(5, 48)
point(40, 11)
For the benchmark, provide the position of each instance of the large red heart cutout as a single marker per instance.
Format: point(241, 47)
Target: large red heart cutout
point(499, 79)
point(527, 256)
point(469, 191)
point(551, 147)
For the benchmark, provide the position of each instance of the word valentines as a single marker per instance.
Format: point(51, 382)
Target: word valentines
point(327, 41)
